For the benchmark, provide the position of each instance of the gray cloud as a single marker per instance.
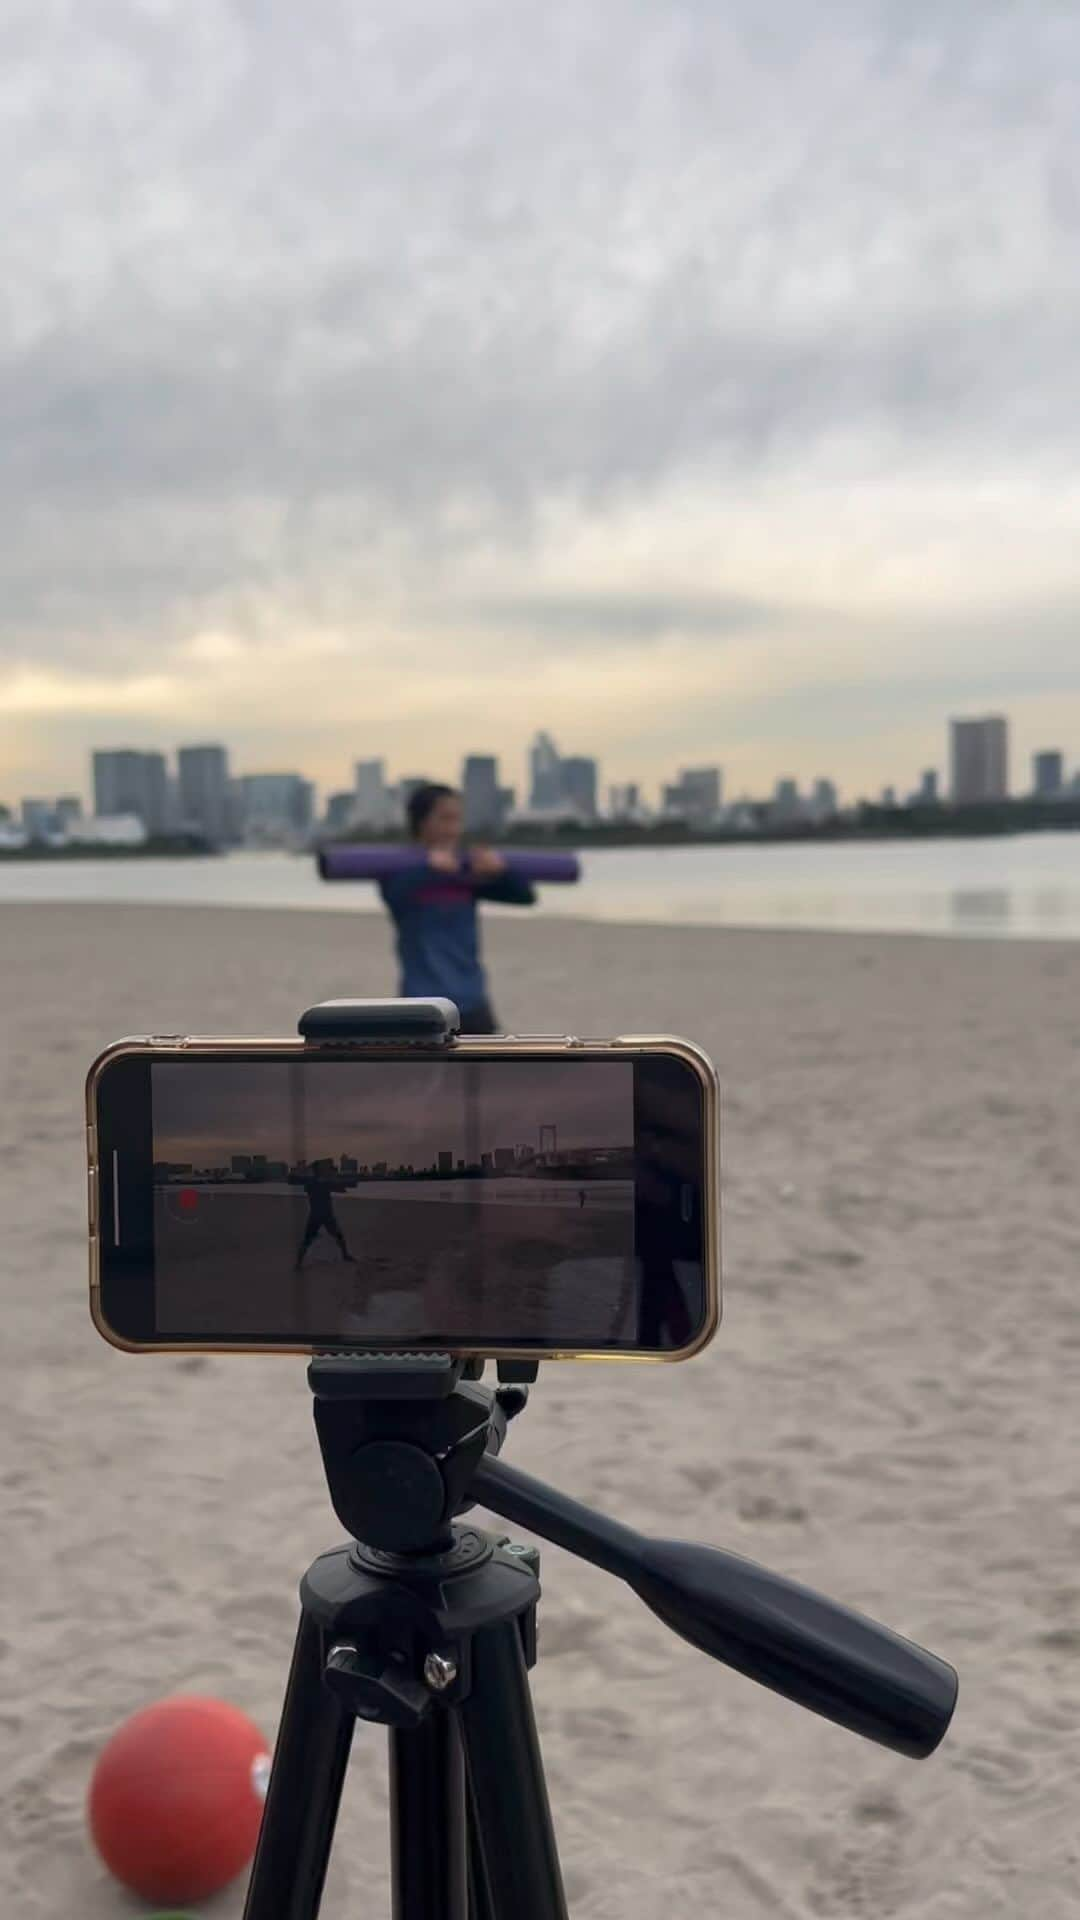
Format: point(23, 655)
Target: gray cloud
point(620, 616)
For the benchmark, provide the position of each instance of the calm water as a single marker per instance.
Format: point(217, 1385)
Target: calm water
point(1026, 886)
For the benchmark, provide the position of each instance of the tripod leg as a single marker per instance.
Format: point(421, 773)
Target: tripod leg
point(427, 1821)
point(481, 1901)
point(506, 1782)
point(305, 1789)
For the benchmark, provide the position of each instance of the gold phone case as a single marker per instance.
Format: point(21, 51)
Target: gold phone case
point(500, 1047)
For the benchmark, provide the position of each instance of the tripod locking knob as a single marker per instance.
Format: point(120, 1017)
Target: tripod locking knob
point(440, 1671)
point(371, 1691)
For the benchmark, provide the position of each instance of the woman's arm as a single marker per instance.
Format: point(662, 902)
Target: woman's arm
point(496, 881)
point(508, 889)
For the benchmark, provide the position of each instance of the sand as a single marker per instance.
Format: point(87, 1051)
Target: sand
point(889, 1412)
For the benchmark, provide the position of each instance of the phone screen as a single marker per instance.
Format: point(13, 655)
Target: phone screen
point(413, 1201)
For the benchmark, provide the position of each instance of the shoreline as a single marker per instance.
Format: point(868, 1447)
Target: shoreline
point(496, 917)
point(946, 824)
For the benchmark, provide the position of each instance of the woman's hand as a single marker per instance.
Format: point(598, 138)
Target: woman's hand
point(485, 863)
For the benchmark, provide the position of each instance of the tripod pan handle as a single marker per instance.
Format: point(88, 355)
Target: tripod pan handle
point(815, 1652)
point(810, 1649)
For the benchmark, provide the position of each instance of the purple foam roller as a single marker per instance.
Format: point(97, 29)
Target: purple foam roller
point(372, 862)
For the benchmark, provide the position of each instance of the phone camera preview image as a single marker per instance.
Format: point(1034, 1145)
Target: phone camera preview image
point(504, 1204)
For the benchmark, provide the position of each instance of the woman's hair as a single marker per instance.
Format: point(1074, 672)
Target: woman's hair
point(423, 801)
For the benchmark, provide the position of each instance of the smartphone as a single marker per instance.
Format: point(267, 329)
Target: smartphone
point(494, 1198)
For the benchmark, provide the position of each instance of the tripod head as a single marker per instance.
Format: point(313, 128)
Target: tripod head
point(401, 1438)
point(408, 1444)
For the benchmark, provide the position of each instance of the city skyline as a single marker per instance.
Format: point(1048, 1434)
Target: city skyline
point(717, 381)
point(204, 796)
point(308, 799)
point(498, 1159)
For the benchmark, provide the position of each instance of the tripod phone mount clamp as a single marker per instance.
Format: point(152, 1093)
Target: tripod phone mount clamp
point(426, 1624)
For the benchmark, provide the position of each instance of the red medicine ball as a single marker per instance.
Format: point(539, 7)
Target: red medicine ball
point(177, 1797)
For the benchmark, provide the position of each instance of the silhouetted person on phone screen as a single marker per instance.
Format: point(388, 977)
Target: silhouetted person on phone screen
point(320, 1190)
point(433, 905)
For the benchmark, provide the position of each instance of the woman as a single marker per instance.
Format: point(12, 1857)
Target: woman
point(433, 906)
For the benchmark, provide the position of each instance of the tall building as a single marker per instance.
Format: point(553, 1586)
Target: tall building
point(1048, 775)
point(927, 795)
point(703, 791)
point(234, 801)
point(277, 806)
point(980, 760)
point(545, 791)
point(341, 811)
point(704, 788)
point(68, 811)
point(624, 802)
point(129, 782)
point(203, 792)
point(155, 780)
point(481, 793)
point(786, 801)
point(696, 795)
point(578, 781)
point(38, 818)
point(372, 796)
point(173, 822)
point(824, 800)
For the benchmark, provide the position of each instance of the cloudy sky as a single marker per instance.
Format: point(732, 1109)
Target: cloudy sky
point(373, 1111)
point(701, 382)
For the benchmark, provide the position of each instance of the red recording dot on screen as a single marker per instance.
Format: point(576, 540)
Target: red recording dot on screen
point(188, 1199)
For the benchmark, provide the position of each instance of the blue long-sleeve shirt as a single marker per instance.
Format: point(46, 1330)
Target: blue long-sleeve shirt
point(438, 932)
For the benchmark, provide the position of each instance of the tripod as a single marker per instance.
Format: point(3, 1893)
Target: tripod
point(426, 1624)
point(429, 1627)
